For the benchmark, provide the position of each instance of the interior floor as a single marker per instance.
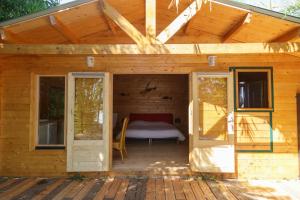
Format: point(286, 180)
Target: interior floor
point(162, 156)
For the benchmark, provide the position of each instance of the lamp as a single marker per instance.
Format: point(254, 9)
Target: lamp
point(212, 61)
point(90, 61)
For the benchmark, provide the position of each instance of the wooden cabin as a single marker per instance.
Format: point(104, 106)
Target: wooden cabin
point(224, 75)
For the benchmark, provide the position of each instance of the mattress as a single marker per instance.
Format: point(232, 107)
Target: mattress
point(153, 130)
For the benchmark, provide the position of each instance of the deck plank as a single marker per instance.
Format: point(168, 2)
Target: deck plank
point(87, 186)
point(225, 191)
point(215, 188)
point(206, 190)
point(7, 183)
point(75, 190)
point(178, 189)
point(197, 190)
point(187, 189)
point(150, 193)
point(65, 191)
point(102, 192)
point(36, 189)
point(94, 190)
point(113, 189)
point(141, 188)
point(169, 190)
point(132, 189)
point(239, 192)
point(20, 188)
point(159, 189)
point(122, 190)
point(48, 189)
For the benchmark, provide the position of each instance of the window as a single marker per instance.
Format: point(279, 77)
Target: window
point(88, 108)
point(254, 89)
point(51, 111)
point(213, 107)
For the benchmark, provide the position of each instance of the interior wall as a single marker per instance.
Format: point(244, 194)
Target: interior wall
point(152, 94)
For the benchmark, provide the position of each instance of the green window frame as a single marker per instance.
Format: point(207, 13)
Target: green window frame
point(269, 70)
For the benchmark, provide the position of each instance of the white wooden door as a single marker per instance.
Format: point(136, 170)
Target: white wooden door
point(89, 112)
point(212, 123)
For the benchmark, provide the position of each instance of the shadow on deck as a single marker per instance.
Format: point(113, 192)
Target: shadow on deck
point(144, 187)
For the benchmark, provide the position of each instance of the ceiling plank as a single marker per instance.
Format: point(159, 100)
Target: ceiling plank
point(237, 27)
point(179, 22)
point(123, 23)
point(159, 49)
point(7, 36)
point(63, 29)
point(151, 20)
point(288, 36)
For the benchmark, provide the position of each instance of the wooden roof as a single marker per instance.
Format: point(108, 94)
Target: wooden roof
point(84, 22)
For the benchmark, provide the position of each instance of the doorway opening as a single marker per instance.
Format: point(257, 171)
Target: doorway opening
point(157, 133)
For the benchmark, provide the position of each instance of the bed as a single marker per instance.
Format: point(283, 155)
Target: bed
point(152, 126)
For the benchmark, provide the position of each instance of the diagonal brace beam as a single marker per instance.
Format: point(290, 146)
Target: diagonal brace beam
point(179, 22)
point(123, 23)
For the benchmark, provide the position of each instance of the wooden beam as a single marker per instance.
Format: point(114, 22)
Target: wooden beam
point(237, 27)
point(151, 20)
point(63, 29)
point(158, 49)
point(7, 36)
point(179, 22)
point(123, 23)
point(111, 25)
point(289, 36)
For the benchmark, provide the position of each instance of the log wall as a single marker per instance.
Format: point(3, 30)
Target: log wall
point(17, 157)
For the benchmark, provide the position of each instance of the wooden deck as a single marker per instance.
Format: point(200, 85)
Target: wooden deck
point(145, 188)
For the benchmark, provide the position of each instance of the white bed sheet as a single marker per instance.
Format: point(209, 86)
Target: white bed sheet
point(153, 130)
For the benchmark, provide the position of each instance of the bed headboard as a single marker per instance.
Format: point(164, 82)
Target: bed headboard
point(152, 117)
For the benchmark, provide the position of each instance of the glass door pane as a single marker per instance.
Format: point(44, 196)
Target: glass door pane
point(213, 112)
point(88, 109)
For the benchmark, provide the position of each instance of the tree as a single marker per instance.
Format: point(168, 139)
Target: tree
point(294, 9)
point(10, 9)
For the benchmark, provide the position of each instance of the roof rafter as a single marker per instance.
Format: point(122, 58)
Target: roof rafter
point(63, 29)
point(7, 36)
point(162, 49)
point(123, 23)
point(237, 27)
point(288, 36)
point(180, 21)
point(111, 25)
point(151, 20)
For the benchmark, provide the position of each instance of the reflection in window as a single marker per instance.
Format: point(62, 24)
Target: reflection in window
point(51, 110)
point(253, 89)
point(88, 115)
point(212, 99)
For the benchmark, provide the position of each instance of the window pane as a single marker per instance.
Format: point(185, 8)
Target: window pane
point(51, 111)
point(88, 115)
point(212, 94)
point(253, 89)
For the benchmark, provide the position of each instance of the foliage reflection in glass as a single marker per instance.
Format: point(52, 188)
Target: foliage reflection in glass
point(212, 99)
point(88, 115)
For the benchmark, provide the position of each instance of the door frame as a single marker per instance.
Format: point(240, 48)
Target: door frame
point(194, 117)
point(107, 118)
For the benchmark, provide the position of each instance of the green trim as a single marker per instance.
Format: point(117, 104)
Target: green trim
point(271, 141)
point(233, 69)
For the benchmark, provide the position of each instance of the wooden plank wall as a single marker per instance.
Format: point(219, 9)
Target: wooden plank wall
point(18, 159)
point(152, 94)
point(284, 161)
